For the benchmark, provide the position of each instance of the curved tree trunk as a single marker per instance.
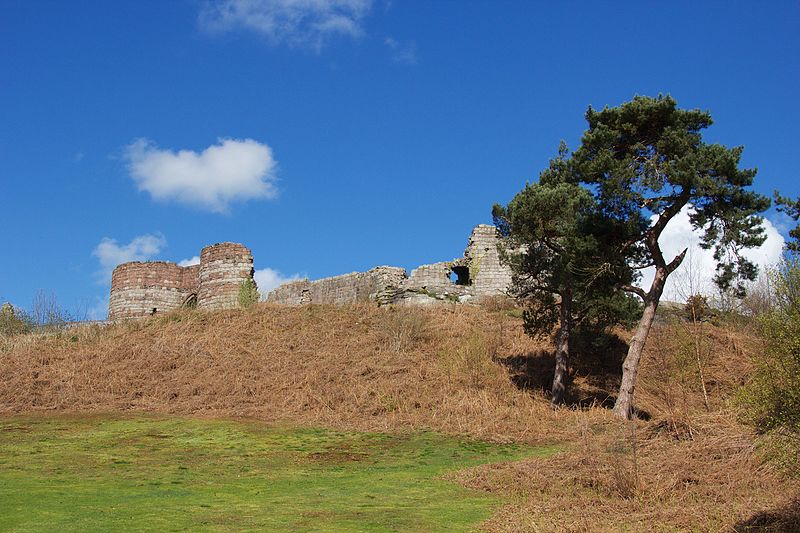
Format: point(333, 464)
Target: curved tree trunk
point(562, 351)
point(623, 407)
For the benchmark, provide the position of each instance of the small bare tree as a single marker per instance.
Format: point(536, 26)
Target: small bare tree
point(692, 286)
point(46, 313)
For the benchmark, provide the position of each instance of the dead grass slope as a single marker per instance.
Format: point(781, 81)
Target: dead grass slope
point(458, 369)
point(358, 367)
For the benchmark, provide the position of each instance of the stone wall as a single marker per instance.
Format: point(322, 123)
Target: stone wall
point(432, 277)
point(488, 275)
point(137, 289)
point(223, 268)
point(141, 289)
point(145, 288)
point(191, 278)
point(388, 282)
point(479, 272)
point(379, 284)
point(292, 293)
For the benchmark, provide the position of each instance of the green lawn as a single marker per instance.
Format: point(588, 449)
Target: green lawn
point(90, 473)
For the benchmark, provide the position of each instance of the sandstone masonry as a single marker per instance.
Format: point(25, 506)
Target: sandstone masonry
point(140, 289)
point(145, 288)
point(479, 272)
point(379, 284)
point(223, 268)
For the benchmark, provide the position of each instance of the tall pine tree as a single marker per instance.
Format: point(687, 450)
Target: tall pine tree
point(646, 160)
point(558, 248)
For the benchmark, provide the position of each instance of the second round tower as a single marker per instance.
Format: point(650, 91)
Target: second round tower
point(223, 269)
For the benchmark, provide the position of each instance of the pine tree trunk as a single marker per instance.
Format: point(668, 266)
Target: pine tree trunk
point(562, 351)
point(623, 407)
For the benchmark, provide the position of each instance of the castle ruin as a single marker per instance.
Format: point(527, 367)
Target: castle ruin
point(145, 288)
point(140, 289)
point(479, 272)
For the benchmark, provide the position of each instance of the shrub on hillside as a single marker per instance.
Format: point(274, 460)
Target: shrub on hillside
point(248, 293)
point(772, 398)
point(404, 328)
point(14, 321)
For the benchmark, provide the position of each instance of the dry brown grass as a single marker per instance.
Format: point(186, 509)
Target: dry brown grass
point(641, 478)
point(357, 367)
point(457, 369)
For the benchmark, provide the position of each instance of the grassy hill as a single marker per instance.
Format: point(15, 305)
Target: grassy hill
point(462, 371)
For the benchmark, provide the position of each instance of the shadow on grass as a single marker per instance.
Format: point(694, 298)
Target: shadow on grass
point(594, 374)
point(784, 518)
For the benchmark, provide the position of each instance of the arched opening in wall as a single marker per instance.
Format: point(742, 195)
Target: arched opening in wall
point(190, 302)
point(459, 275)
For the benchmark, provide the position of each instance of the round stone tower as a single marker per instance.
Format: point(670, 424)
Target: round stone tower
point(140, 289)
point(223, 268)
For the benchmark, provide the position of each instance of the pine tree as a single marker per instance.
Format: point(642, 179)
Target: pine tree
point(646, 161)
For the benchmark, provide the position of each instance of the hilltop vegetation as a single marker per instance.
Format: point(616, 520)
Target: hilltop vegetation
point(460, 370)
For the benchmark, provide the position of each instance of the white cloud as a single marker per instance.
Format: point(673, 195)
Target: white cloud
point(304, 23)
point(405, 53)
point(190, 262)
point(232, 170)
point(696, 273)
point(141, 248)
point(268, 279)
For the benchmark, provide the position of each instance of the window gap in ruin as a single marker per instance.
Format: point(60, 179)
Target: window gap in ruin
point(459, 275)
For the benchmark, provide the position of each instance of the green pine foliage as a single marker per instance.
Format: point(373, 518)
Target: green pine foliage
point(564, 262)
point(791, 208)
point(647, 158)
point(646, 161)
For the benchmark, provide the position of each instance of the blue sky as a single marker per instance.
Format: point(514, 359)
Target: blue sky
point(334, 135)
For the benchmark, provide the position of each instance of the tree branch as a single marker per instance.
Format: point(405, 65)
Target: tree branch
point(675, 263)
point(636, 290)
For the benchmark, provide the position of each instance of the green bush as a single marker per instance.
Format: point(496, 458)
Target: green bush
point(14, 321)
point(248, 293)
point(771, 400)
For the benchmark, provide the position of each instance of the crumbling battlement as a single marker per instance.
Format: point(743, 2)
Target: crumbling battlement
point(140, 289)
point(479, 273)
point(378, 284)
point(146, 288)
point(487, 274)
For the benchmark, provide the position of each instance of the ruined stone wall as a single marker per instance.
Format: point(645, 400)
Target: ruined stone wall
point(292, 293)
point(191, 278)
point(431, 277)
point(389, 283)
point(144, 288)
point(488, 275)
point(223, 268)
point(479, 272)
point(379, 284)
point(137, 289)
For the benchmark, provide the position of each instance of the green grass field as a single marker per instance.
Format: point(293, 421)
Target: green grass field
point(91, 473)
